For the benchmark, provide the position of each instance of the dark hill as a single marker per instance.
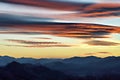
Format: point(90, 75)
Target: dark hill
point(17, 71)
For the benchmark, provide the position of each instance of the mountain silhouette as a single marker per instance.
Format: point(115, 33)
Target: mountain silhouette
point(74, 66)
point(82, 66)
point(17, 71)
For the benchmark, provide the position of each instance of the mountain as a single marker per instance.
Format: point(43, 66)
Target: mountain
point(17, 71)
point(82, 66)
point(4, 60)
point(74, 66)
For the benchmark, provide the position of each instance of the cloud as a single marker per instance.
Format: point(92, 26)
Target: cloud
point(101, 43)
point(39, 46)
point(102, 10)
point(110, 1)
point(65, 10)
point(8, 19)
point(42, 38)
point(46, 4)
point(89, 1)
point(24, 33)
point(99, 54)
point(27, 9)
point(104, 52)
point(26, 43)
point(71, 30)
point(89, 33)
point(32, 42)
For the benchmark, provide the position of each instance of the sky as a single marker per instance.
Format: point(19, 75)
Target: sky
point(59, 28)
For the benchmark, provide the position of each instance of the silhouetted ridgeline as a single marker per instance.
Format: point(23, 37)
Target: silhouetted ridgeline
point(75, 68)
point(17, 71)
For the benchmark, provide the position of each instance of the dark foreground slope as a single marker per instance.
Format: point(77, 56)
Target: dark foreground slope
point(17, 71)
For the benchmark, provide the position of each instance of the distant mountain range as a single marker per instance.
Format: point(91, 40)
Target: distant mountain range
point(75, 66)
point(4, 60)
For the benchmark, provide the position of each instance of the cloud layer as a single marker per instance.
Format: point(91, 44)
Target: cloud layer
point(80, 31)
point(62, 9)
point(75, 30)
point(52, 17)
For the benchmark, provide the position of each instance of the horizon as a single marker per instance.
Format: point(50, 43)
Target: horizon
point(61, 58)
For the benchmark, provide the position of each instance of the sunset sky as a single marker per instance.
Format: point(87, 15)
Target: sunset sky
point(59, 28)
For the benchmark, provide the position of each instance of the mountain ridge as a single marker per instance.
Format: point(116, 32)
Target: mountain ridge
point(73, 66)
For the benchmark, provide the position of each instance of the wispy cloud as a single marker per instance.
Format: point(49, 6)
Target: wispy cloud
point(27, 43)
point(102, 54)
point(101, 43)
point(18, 32)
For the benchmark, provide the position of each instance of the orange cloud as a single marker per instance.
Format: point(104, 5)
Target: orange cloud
point(73, 30)
point(46, 4)
point(80, 9)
